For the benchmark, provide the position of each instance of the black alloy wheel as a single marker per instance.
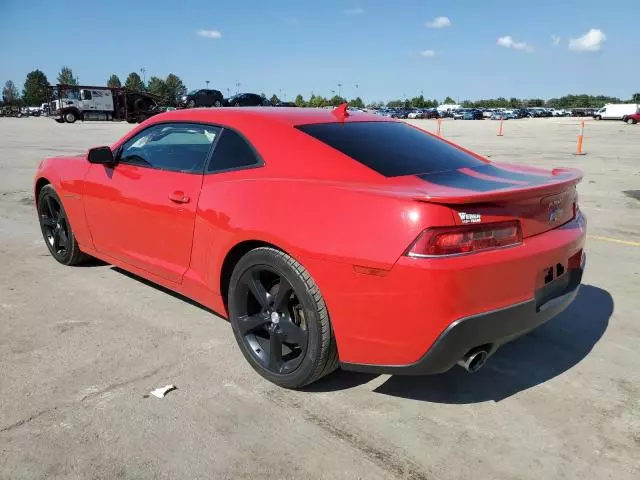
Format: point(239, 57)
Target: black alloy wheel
point(280, 320)
point(56, 229)
point(54, 226)
point(271, 319)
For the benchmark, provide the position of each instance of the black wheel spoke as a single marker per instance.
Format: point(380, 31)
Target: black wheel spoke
point(284, 293)
point(250, 323)
point(257, 289)
point(63, 238)
point(293, 333)
point(56, 237)
point(49, 204)
point(275, 352)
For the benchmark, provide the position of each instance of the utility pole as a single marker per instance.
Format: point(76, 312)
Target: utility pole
point(143, 70)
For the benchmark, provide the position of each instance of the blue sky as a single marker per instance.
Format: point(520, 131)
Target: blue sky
point(477, 49)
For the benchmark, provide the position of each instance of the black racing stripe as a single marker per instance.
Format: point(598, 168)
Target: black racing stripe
point(532, 180)
point(456, 179)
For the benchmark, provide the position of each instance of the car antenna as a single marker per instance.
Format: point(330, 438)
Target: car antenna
point(340, 112)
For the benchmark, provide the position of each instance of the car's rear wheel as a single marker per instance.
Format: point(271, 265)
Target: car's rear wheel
point(218, 103)
point(630, 121)
point(56, 229)
point(280, 320)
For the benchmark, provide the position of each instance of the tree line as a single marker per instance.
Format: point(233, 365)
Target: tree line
point(170, 89)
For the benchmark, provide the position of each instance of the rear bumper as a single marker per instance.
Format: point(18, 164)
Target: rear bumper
point(490, 329)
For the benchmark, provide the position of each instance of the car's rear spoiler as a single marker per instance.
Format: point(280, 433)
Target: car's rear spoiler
point(564, 178)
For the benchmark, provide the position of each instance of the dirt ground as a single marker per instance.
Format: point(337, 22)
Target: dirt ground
point(81, 348)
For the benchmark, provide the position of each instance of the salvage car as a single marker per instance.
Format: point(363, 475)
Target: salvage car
point(202, 98)
point(247, 100)
point(327, 238)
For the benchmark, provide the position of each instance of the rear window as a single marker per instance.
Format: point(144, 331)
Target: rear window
point(391, 148)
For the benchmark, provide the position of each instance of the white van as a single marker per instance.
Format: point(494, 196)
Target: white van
point(615, 111)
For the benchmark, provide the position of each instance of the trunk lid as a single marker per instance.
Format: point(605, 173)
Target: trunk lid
point(541, 200)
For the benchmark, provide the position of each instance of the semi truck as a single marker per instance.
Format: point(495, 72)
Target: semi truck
point(69, 103)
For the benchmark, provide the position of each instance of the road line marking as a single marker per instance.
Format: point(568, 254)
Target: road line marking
point(615, 240)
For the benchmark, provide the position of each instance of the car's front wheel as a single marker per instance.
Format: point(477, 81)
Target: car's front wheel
point(56, 229)
point(631, 121)
point(280, 320)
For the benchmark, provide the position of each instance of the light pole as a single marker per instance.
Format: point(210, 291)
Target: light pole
point(207, 82)
point(339, 87)
point(143, 70)
point(237, 87)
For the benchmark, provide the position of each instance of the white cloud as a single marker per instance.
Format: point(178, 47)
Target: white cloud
point(439, 22)
point(209, 33)
point(555, 40)
point(427, 53)
point(590, 42)
point(509, 42)
point(354, 11)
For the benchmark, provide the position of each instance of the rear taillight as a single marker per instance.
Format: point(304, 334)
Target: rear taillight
point(436, 242)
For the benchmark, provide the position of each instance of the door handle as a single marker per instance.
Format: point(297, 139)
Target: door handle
point(178, 197)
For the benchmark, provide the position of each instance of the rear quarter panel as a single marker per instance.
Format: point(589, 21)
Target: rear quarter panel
point(309, 220)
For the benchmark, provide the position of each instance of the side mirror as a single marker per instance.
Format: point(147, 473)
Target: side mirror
point(101, 155)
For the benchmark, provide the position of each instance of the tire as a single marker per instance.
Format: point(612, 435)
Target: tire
point(56, 229)
point(598, 118)
point(218, 103)
point(630, 121)
point(237, 104)
point(70, 117)
point(191, 103)
point(296, 323)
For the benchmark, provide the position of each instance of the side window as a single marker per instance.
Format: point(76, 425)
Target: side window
point(181, 147)
point(86, 94)
point(232, 151)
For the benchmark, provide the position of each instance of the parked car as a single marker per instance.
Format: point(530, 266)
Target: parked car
point(316, 287)
point(631, 119)
point(497, 115)
point(472, 114)
point(458, 114)
point(400, 113)
point(247, 100)
point(430, 113)
point(202, 98)
point(583, 112)
point(415, 114)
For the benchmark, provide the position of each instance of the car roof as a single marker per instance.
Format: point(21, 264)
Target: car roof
point(284, 115)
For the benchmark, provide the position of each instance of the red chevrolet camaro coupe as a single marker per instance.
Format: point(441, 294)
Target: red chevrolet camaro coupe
point(328, 238)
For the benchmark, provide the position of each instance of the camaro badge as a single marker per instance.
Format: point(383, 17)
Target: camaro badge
point(470, 217)
point(554, 215)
